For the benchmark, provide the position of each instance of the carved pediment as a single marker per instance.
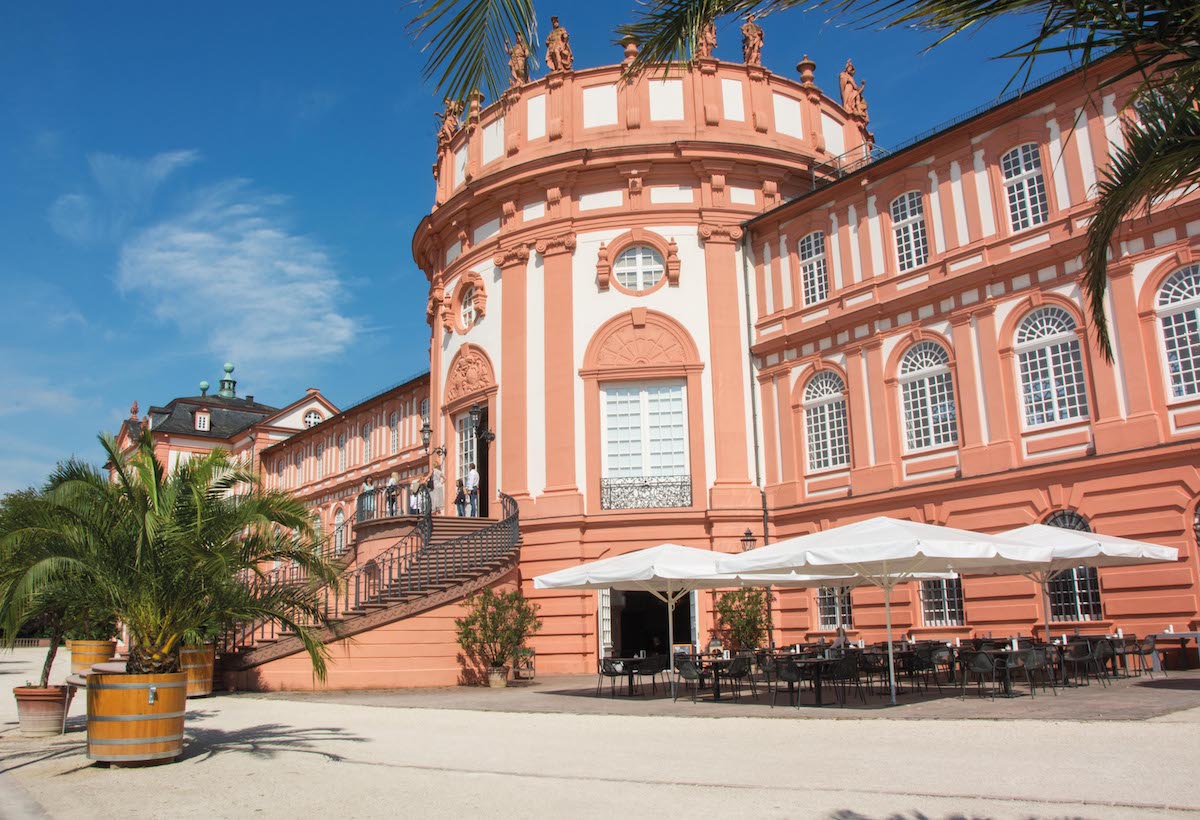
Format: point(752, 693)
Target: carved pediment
point(470, 373)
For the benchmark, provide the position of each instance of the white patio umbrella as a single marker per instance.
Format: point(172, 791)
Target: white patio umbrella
point(668, 572)
point(886, 552)
point(1079, 548)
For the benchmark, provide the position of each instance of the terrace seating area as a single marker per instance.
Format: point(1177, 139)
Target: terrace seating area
point(817, 674)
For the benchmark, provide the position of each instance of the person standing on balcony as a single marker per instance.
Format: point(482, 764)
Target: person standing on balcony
point(414, 497)
point(473, 489)
point(438, 486)
point(460, 498)
point(368, 491)
point(391, 492)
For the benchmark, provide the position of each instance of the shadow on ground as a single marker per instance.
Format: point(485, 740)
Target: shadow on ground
point(265, 740)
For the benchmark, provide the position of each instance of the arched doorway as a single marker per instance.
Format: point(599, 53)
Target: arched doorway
point(470, 382)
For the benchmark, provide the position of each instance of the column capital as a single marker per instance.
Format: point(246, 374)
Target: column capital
point(719, 233)
point(508, 257)
point(553, 245)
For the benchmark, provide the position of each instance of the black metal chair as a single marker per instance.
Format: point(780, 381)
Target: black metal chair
point(787, 674)
point(1091, 658)
point(686, 670)
point(942, 658)
point(1124, 648)
point(737, 672)
point(608, 669)
point(1147, 649)
point(921, 666)
point(764, 663)
point(981, 667)
point(843, 672)
point(651, 668)
point(1037, 662)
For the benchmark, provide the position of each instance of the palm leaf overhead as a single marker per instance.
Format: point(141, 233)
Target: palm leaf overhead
point(464, 42)
point(176, 556)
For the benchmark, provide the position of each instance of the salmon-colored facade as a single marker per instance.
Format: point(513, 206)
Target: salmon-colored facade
point(703, 303)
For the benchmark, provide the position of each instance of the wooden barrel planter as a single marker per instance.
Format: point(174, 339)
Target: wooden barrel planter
point(85, 654)
point(136, 719)
point(197, 662)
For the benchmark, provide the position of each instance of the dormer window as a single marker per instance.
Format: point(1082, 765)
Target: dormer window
point(202, 421)
point(312, 418)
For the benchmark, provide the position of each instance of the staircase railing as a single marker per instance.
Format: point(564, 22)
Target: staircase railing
point(407, 568)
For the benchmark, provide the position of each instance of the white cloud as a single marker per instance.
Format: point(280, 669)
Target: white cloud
point(231, 273)
point(123, 188)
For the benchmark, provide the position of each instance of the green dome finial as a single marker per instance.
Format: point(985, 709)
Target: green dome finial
point(203, 387)
point(228, 367)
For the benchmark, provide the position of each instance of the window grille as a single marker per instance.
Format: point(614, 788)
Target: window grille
point(312, 418)
point(1027, 205)
point(942, 602)
point(394, 432)
point(908, 225)
point(468, 307)
point(1050, 366)
point(834, 607)
point(645, 447)
point(1179, 316)
point(1075, 592)
point(927, 397)
point(814, 276)
point(827, 434)
point(639, 267)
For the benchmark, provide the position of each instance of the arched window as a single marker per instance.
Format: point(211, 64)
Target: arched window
point(312, 418)
point(814, 278)
point(1022, 167)
point(1074, 593)
point(1179, 316)
point(927, 397)
point(299, 468)
point(908, 226)
point(639, 267)
point(394, 428)
point(1051, 367)
point(339, 531)
point(320, 459)
point(424, 410)
point(341, 452)
point(467, 311)
point(827, 440)
point(366, 442)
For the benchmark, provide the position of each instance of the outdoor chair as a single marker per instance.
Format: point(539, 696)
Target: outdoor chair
point(844, 674)
point(1091, 659)
point(1147, 649)
point(525, 664)
point(1124, 648)
point(1014, 663)
point(652, 668)
point(981, 667)
point(737, 673)
point(686, 670)
point(942, 657)
point(922, 667)
point(765, 666)
point(787, 674)
point(1037, 662)
point(608, 669)
point(874, 665)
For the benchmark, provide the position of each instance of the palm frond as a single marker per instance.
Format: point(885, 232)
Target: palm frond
point(1161, 154)
point(667, 30)
point(465, 42)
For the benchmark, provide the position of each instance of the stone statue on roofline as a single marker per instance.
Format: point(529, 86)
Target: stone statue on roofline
point(752, 42)
point(558, 48)
point(852, 93)
point(706, 40)
point(518, 61)
point(448, 122)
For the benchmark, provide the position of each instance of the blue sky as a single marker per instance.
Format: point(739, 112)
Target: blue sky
point(189, 183)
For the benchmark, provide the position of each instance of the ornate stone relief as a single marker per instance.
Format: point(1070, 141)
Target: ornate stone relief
point(470, 373)
point(650, 344)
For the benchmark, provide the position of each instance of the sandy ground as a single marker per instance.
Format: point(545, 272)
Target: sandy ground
point(259, 757)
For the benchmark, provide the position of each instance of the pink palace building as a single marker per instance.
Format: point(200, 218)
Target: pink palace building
point(705, 303)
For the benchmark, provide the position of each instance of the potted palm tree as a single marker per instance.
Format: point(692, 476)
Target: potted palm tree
point(173, 552)
point(494, 629)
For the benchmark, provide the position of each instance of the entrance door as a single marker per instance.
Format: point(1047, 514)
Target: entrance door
point(482, 457)
point(639, 623)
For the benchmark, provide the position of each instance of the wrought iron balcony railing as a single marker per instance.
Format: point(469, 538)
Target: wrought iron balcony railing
point(645, 492)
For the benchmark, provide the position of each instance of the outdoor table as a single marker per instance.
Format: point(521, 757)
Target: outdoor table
point(629, 666)
point(715, 664)
point(1182, 637)
point(817, 665)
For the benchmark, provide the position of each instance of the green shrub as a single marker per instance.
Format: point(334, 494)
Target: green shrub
point(496, 626)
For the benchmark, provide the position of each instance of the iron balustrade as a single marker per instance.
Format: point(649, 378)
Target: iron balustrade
point(647, 492)
point(405, 570)
point(389, 502)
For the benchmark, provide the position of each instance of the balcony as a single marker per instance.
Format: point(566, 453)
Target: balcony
point(645, 492)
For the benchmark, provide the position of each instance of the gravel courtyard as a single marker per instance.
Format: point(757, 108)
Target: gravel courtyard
point(411, 755)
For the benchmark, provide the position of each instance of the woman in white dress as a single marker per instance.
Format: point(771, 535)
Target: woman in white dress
point(438, 498)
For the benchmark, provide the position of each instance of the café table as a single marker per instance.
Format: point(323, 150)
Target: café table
point(629, 667)
point(1182, 637)
point(715, 664)
point(815, 667)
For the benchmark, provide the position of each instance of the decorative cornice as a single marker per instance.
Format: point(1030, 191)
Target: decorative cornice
point(719, 233)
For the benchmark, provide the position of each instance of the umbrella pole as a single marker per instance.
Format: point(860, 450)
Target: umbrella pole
point(1046, 605)
point(671, 639)
point(887, 608)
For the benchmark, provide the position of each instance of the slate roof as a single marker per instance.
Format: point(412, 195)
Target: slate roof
point(227, 417)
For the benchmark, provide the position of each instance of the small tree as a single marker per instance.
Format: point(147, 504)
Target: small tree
point(742, 616)
point(496, 626)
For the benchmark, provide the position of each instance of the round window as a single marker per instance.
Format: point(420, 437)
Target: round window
point(639, 268)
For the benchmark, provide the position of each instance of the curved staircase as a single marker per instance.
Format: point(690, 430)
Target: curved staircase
point(440, 560)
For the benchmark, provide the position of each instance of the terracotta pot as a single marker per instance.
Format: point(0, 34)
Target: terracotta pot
point(43, 712)
point(497, 677)
point(84, 654)
point(197, 662)
point(136, 720)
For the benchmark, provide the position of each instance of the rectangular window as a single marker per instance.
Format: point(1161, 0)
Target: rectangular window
point(645, 459)
point(814, 277)
point(1075, 595)
point(942, 602)
point(202, 421)
point(465, 437)
point(834, 608)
